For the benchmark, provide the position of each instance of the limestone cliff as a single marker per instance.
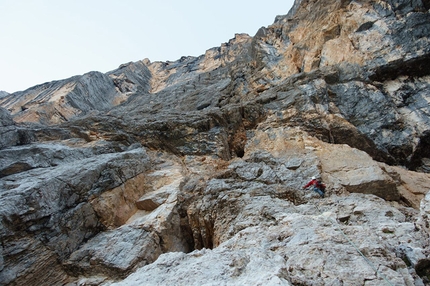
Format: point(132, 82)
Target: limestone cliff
point(191, 172)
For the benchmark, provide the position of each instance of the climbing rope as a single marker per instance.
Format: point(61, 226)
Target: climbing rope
point(358, 250)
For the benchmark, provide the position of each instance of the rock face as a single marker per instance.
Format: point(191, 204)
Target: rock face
point(191, 172)
point(8, 132)
point(58, 101)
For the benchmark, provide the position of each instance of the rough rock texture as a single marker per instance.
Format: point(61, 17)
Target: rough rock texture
point(191, 172)
point(8, 132)
point(3, 93)
point(57, 101)
point(283, 244)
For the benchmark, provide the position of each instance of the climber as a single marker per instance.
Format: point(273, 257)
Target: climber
point(319, 187)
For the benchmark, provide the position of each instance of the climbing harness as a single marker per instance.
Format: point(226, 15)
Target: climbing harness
point(358, 250)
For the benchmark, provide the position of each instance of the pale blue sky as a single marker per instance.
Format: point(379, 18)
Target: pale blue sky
point(45, 40)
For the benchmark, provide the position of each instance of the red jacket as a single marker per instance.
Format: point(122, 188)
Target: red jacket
point(312, 182)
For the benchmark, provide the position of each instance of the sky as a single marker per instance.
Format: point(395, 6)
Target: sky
point(46, 40)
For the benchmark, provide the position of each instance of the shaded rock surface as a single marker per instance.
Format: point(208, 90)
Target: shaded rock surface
point(58, 101)
point(191, 172)
point(8, 131)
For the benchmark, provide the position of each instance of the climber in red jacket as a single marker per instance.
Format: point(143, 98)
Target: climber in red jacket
point(319, 187)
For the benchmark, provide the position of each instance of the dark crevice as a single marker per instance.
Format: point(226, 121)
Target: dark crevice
point(15, 168)
point(426, 4)
point(187, 234)
point(240, 153)
point(417, 67)
point(197, 233)
point(364, 27)
point(25, 137)
point(423, 269)
point(422, 151)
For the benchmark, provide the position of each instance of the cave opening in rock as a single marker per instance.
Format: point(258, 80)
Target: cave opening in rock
point(238, 145)
point(421, 157)
point(240, 153)
point(187, 235)
point(423, 269)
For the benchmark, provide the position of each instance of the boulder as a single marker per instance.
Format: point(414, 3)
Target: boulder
point(355, 171)
point(150, 202)
point(111, 254)
point(412, 186)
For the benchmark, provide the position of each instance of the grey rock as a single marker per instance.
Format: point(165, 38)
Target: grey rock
point(22, 158)
point(53, 204)
point(131, 78)
point(412, 256)
point(233, 268)
point(3, 93)
point(305, 230)
point(221, 146)
point(58, 101)
point(115, 251)
point(5, 118)
point(8, 132)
